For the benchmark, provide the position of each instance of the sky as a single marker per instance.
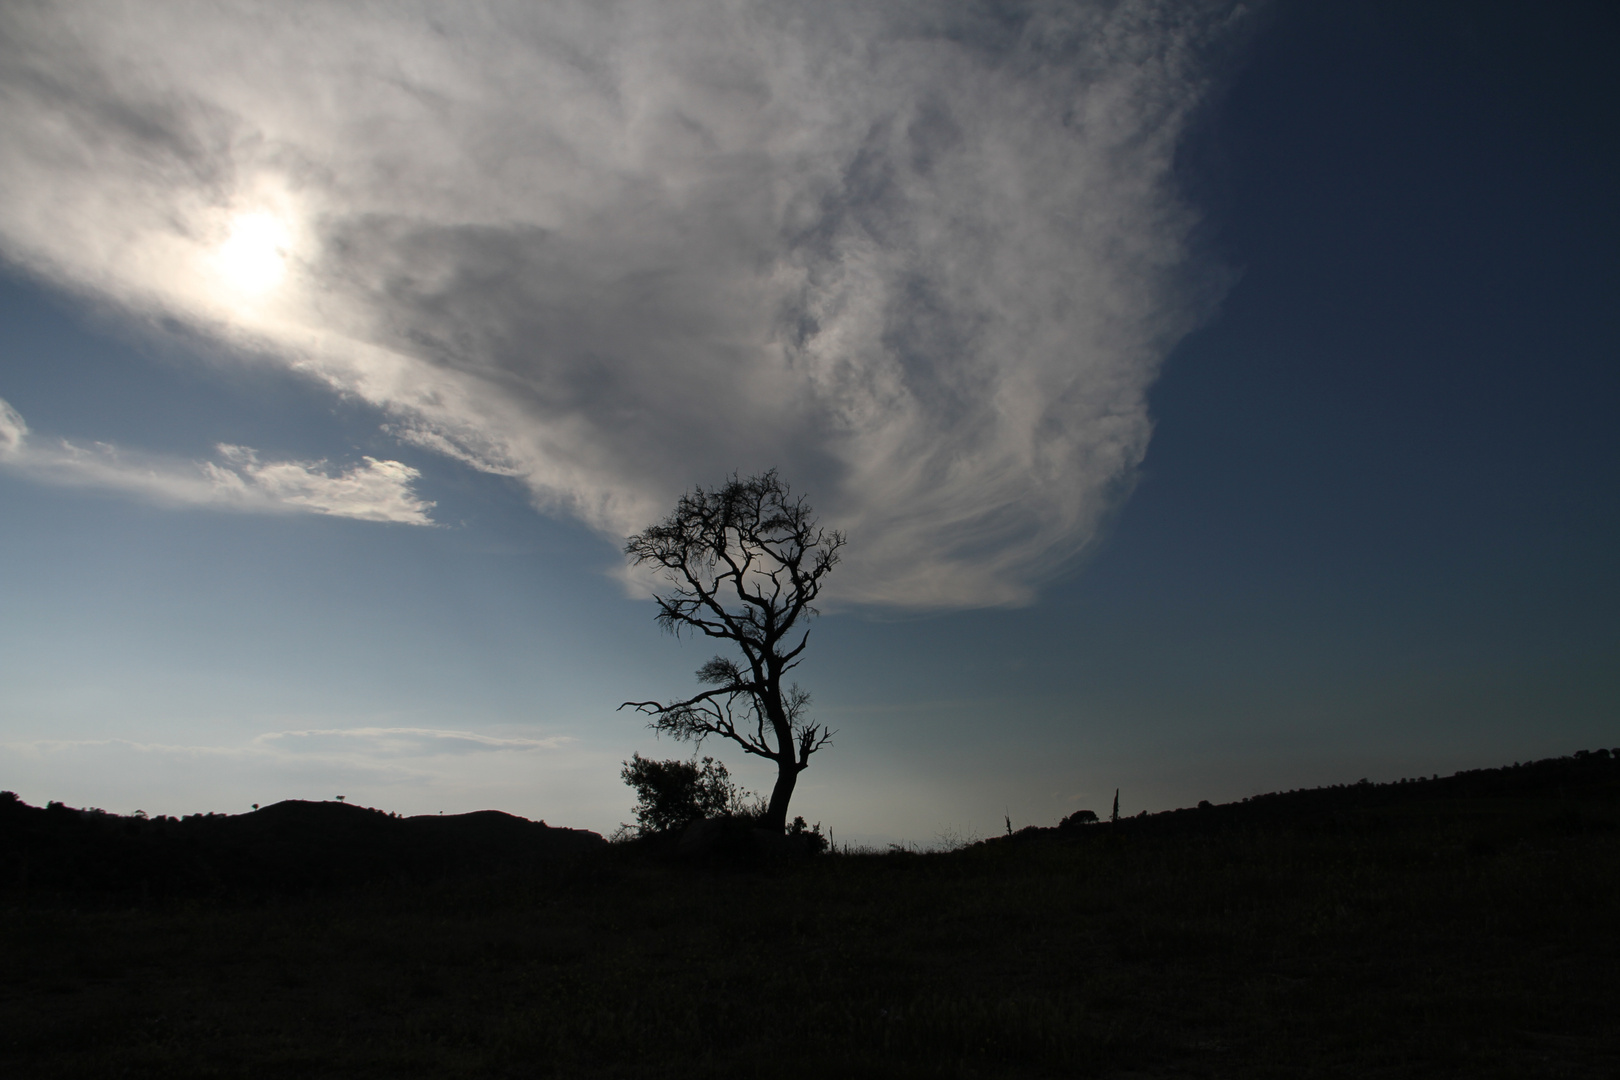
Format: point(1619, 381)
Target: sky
point(1217, 398)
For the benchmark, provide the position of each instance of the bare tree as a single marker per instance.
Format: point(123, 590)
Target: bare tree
point(746, 561)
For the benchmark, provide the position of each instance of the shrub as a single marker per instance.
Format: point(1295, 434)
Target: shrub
point(672, 794)
point(808, 836)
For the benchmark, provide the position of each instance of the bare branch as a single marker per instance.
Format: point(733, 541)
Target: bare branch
point(745, 562)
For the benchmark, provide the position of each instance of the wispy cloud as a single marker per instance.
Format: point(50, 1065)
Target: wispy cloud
point(372, 491)
point(925, 258)
point(409, 769)
point(349, 745)
point(381, 763)
point(398, 742)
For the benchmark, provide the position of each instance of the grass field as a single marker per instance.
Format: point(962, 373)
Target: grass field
point(1402, 930)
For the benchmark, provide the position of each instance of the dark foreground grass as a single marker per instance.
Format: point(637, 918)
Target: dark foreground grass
point(1452, 937)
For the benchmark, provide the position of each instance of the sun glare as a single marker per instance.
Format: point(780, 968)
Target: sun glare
point(253, 258)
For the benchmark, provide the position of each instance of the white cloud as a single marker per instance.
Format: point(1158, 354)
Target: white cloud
point(398, 742)
point(373, 749)
point(373, 491)
point(924, 258)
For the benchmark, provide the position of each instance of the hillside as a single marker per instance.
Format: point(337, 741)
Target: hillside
point(289, 846)
point(1467, 926)
point(296, 845)
point(1576, 793)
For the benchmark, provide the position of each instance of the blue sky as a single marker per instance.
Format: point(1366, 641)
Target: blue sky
point(1216, 400)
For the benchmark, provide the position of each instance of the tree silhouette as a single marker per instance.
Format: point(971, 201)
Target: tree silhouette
point(746, 561)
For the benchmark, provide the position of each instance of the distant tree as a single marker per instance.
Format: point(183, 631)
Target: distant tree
point(746, 561)
point(670, 794)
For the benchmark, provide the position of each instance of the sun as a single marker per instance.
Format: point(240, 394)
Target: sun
point(253, 258)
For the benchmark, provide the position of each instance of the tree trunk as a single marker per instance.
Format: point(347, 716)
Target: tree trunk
point(787, 775)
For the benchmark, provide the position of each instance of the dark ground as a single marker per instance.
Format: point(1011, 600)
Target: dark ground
point(1457, 927)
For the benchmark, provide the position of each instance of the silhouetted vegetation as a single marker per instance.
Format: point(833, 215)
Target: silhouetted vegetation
point(806, 837)
point(745, 563)
point(695, 812)
point(1463, 926)
point(670, 795)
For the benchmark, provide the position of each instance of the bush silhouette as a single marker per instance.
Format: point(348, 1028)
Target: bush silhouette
point(808, 838)
point(672, 794)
